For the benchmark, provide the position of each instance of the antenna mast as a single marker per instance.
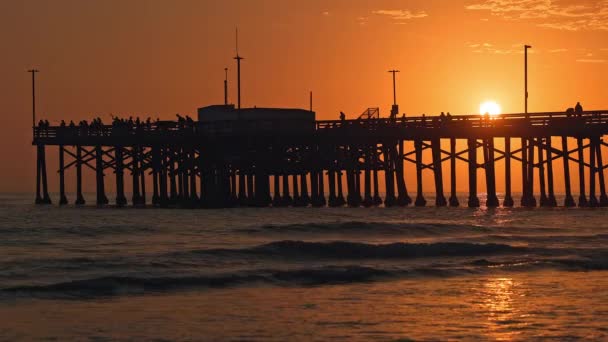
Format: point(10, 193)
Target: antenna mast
point(238, 70)
point(226, 87)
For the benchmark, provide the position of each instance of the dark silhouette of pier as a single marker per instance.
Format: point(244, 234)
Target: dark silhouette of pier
point(227, 163)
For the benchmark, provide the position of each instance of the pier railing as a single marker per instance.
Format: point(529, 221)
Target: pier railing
point(444, 126)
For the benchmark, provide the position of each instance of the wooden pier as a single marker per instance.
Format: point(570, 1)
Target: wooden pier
point(233, 163)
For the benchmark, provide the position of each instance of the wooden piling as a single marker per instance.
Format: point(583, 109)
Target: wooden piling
point(163, 186)
point(531, 201)
point(101, 194)
point(304, 183)
point(420, 201)
point(368, 200)
point(121, 200)
point(453, 197)
point(489, 163)
point(472, 149)
point(403, 198)
point(277, 200)
point(156, 171)
point(440, 200)
point(569, 200)
point(544, 200)
point(593, 202)
point(46, 199)
point(331, 180)
point(297, 201)
point(389, 176)
point(551, 201)
point(582, 198)
point(63, 200)
point(287, 199)
point(38, 177)
point(508, 201)
point(79, 197)
point(600, 171)
point(340, 201)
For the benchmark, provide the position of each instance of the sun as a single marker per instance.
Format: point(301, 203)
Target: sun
point(489, 107)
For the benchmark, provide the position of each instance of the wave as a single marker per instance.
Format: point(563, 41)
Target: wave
point(390, 228)
point(110, 286)
point(354, 250)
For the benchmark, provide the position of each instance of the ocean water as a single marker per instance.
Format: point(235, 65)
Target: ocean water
point(100, 274)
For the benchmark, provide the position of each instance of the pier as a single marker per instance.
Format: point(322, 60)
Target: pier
point(228, 160)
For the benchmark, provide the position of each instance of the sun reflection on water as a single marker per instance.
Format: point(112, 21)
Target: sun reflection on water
point(500, 301)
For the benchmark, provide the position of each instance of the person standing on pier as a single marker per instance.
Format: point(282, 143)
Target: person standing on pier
point(578, 109)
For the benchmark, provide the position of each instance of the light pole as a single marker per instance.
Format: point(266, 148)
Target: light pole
point(395, 108)
point(33, 72)
point(226, 87)
point(526, 47)
point(238, 71)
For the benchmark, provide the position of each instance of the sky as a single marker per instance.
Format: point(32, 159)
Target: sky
point(159, 57)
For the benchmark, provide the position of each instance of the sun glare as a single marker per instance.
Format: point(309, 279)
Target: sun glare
point(490, 107)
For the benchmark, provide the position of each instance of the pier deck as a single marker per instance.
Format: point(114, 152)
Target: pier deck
point(232, 163)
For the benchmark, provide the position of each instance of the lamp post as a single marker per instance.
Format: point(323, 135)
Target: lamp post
point(395, 108)
point(226, 87)
point(526, 47)
point(33, 72)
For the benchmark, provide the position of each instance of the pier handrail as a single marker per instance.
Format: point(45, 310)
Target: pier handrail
point(475, 121)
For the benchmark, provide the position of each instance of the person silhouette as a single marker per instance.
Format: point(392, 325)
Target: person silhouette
point(342, 116)
point(578, 109)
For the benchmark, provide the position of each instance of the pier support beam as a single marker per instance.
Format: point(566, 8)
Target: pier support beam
point(582, 198)
point(135, 157)
point(322, 200)
point(473, 199)
point(377, 198)
point(242, 197)
point(277, 201)
point(250, 189)
point(440, 200)
point(600, 170)
point(41, 178)
point(332, 200)
point(551, 201)
point(524, 172)
point(569, 200)
point(492, 199)
point(156, 174)
point(403, 199)
point(389, 177)
point(340, 200)
point(79, 198)
point(453, 197)
point(101, 193)
point(420, 201)
point(121, 200)
point(297, 201)
point(63, 200)
point(173, 196)
point(530, 199)
point(314, 188)
point(287, 199)
point(304, 184)
point(593, 202)
point(544, 200)
point(368, 200)
point(163, 186)
point(508, 201)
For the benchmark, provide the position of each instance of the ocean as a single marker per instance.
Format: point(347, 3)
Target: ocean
point(301, 274)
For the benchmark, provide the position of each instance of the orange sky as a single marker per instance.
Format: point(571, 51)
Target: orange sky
point(157, 57)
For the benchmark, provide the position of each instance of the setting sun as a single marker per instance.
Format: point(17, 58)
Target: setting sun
point(489, 107)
